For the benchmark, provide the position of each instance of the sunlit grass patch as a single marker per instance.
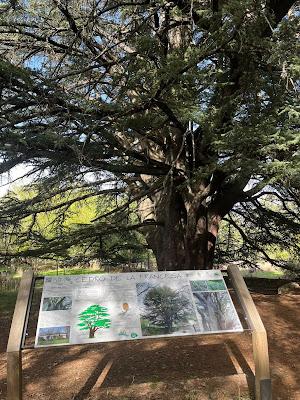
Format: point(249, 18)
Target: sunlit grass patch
point(263, 274)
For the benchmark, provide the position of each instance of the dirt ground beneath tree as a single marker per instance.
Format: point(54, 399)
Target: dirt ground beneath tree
point(195, 368)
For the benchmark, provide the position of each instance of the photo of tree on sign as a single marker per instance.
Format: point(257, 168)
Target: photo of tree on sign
point(166, 309)
point(95, 317)
point(57, 303)
point(216, 312)
point(208, 285)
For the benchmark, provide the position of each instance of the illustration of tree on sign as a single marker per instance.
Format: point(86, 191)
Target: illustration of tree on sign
point(95, 317)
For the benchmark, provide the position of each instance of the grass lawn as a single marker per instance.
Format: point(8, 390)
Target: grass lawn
point(70, 271)
point(53, 341)
point(7, 302)
point(263, 274)
point(66, 271)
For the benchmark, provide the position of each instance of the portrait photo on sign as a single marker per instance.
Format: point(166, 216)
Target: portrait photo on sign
point(166, 308)
point(57, 303)
point(214, 308)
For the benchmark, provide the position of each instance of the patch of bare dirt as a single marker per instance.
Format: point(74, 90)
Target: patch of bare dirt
point(196, 368)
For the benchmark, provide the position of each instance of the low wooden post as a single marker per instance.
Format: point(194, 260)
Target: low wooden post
point(14, 346)
point(263, 390)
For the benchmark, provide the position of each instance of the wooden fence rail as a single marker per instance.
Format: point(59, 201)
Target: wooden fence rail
point(263, 389)
point(14, 346)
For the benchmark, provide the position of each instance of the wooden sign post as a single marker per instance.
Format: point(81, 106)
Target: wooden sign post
point(20, 319)
point(15, 340)
point(263, 390)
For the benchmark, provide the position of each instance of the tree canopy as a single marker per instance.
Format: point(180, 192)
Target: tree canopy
point(185, 110)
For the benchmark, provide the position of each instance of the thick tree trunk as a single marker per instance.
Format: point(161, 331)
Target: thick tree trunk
point(184, 239)
point(167, 240)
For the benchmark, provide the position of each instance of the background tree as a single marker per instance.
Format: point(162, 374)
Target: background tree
point(57, 219)
point(166, 307)
point(95, 317)
point(187, 109)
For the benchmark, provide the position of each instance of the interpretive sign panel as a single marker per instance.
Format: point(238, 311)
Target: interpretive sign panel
point(126, 306)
